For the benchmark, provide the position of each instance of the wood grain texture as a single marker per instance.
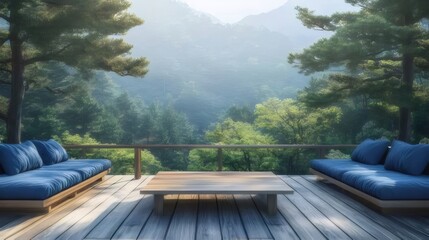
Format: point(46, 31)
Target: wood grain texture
point(230, 222)
point(183, 224)
point(216, 183)
point(387, 222)
point(208, 226)
point(252, 220)
point(81, 228)
point(115, 209)
point(157, 225)
point(108, 226)
point(70, 219)
point(277, 224)
point(354, 215)
point(340, 220)
point(133, 224)
point(317, 218)
point(303, 227)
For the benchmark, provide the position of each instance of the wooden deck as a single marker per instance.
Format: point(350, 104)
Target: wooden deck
point(115, 209)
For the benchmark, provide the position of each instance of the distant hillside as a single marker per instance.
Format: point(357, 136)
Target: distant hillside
point(203, 67)
point(283, 20)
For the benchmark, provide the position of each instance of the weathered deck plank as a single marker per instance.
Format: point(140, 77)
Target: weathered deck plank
point(372, 227)
point(420, 224)
point(324, 224)
point(183, 224)
point(108, 226)
point(303, 227)
point(278, 226)
point(388, 222)
point(81, 228)
point(115, 209)
point(59, 227)
point(252, 220)
point(230, 222)
point(156, 226)
point(208, 218)
point(133, 224)
point(340, 220)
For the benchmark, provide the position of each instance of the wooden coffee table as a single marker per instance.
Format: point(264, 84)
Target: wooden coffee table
point(265, 183)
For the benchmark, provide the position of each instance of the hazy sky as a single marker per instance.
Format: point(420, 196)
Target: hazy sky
point(231, 11)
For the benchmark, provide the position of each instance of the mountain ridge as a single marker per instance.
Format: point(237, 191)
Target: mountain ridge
point(203, 67)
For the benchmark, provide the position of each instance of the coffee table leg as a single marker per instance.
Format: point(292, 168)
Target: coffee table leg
point(159, 203)
point(272, 204)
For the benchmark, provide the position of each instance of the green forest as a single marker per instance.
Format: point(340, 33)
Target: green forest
point(369, 79)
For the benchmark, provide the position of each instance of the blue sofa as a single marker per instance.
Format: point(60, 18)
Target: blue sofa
point(38, 175)
point(390, 179)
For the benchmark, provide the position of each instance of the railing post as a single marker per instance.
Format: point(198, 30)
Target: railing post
point(321, 152)
point(137, 163)
point(219, 159)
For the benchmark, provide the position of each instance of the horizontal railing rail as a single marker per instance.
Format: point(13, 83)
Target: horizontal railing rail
point(139, 147)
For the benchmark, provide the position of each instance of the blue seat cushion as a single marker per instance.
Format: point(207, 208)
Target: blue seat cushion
point(18, 158)
point(407, 158)
point(370, 151)
point(49, 180)
point(51, 151)
point(37, 184)
point(335, 168)
point(388, 185)
point(85, 167)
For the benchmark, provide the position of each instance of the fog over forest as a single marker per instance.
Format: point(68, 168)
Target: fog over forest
point(203, 67)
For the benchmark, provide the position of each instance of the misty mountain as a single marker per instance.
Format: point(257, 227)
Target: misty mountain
point(203, 67)
point(284, 20)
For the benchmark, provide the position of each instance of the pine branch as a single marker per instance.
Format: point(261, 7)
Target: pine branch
point(58, 3)
point(7, 18)
point(3, 116)
point(4, 82)
point(5, 70)
point(55, 91)
point(4, 61)
point(46, 57)
point(3, 40)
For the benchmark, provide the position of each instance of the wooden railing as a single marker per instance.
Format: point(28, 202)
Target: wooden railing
point(321, 149)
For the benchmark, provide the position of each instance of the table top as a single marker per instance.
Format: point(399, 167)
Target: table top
point(216, 183)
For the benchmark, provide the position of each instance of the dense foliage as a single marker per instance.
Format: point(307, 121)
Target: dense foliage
point(374, 69)
point(382, 54)
point(35, 34)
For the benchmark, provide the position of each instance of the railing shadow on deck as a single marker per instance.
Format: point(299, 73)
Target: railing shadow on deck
point(321, 150)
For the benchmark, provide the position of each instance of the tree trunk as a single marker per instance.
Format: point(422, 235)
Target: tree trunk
point(407, 81)
point(405, 111)
point(13, 123)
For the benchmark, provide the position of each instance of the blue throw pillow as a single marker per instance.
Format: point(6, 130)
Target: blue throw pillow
point(51, 151)
point(370, 151)
point(407, 158)
point(18, 158)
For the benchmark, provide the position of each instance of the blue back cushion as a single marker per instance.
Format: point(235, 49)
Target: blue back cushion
point(18, 158)
point(51, 151)
point(407, 158)
point(370, 151)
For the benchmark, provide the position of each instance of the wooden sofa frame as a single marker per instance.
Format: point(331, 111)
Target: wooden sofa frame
point(57, 200)
point(412, 207)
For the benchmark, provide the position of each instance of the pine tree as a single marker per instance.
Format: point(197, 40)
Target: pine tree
point(79, 33)
point(383, 47)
